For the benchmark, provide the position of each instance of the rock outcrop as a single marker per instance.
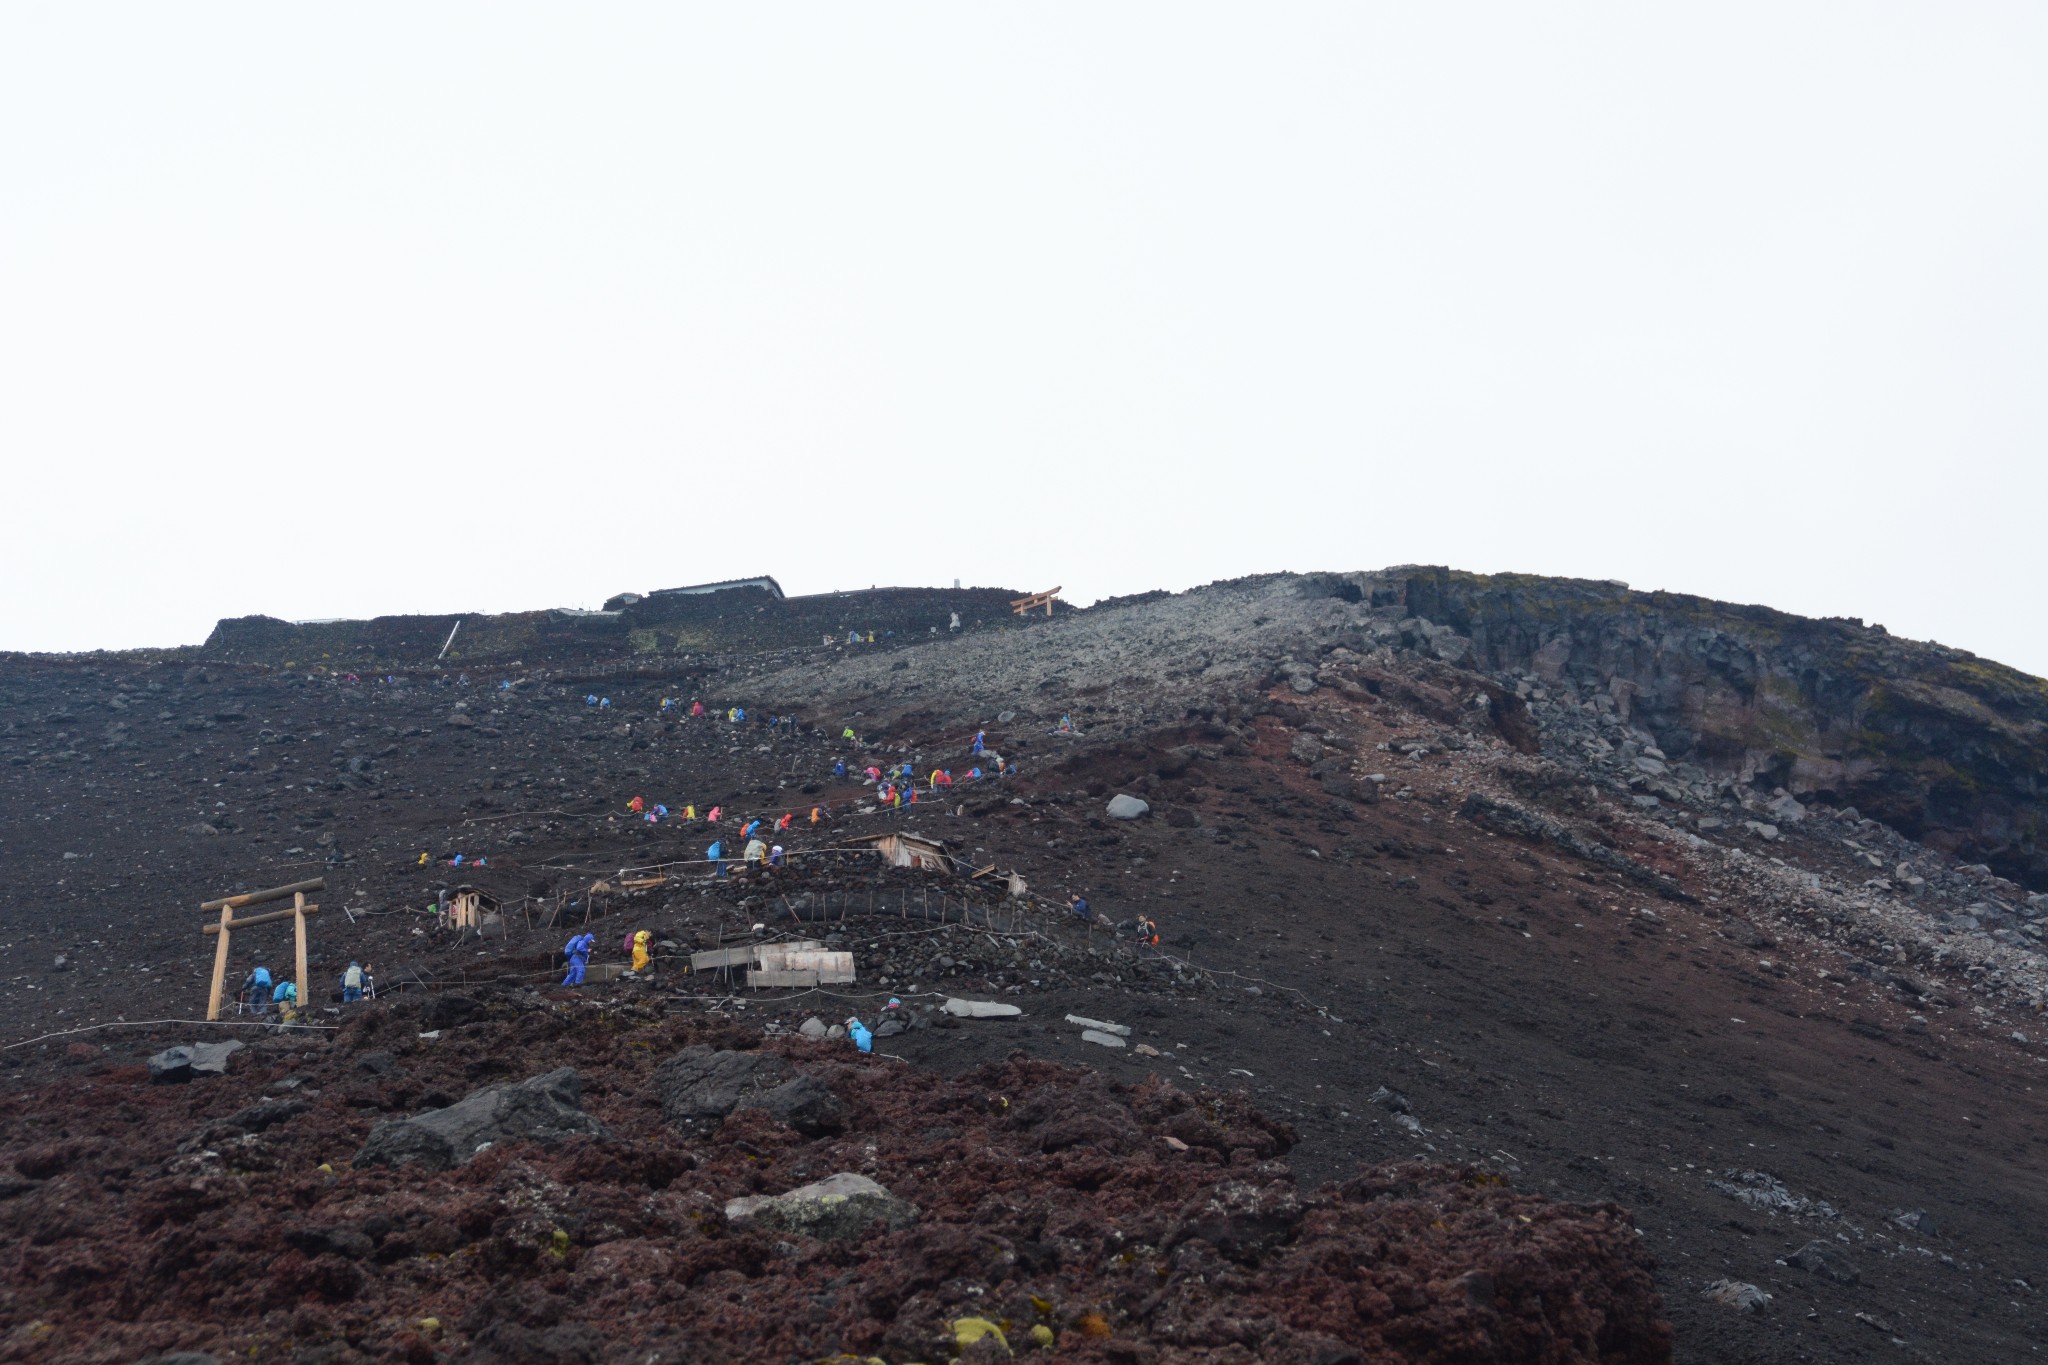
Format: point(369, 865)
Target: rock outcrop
point(175, 1065)
point(700, 1085)
point(835, 1209)
point(1943, 746)
point(546, 1109)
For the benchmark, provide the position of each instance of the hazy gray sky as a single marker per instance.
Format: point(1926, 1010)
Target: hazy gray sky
point(354, 309)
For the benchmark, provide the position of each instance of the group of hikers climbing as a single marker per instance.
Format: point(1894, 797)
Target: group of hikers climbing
point(638, 944)
point(1144, 931)
point(895, 787)
point(259, 994)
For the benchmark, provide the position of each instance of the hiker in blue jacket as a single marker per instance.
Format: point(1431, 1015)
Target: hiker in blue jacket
point(578, 953)
point(256, 990)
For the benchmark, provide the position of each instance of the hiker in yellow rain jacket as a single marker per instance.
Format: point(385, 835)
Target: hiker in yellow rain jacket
point(640, 957)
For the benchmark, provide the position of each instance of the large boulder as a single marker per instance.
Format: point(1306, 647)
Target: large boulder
point(700, 1085)
point(1829, 1260)
point(804, 1103)
point(175, 1065)
point(267, 1114)
point(544, 1109)
point(1739, 1295)
point(1122, 807)
point(843, 1206)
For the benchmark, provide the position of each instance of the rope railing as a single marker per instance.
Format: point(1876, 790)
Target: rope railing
point(154, 1023)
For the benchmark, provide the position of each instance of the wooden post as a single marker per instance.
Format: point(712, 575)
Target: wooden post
point(220, 963)
point(299, 932)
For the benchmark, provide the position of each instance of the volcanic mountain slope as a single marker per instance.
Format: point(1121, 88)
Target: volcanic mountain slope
point(1414, 908)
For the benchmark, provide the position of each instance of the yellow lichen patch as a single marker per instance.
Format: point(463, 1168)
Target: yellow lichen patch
point(967, 1331)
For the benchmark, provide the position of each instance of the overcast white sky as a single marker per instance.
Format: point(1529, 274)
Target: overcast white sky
point(355, 309)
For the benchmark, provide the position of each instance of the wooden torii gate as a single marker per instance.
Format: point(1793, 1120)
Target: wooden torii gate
point(227, 905)
point(1020, 606)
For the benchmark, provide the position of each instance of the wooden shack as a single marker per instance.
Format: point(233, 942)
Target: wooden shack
point(467, 906)
point(907, 850)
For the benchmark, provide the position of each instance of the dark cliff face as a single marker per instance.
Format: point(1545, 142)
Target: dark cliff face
point(1943, 746)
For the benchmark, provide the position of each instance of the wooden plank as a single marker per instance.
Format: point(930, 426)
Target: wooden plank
point(267, 917)
point(220, 962)
point(721, 957)
point(275, 893)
